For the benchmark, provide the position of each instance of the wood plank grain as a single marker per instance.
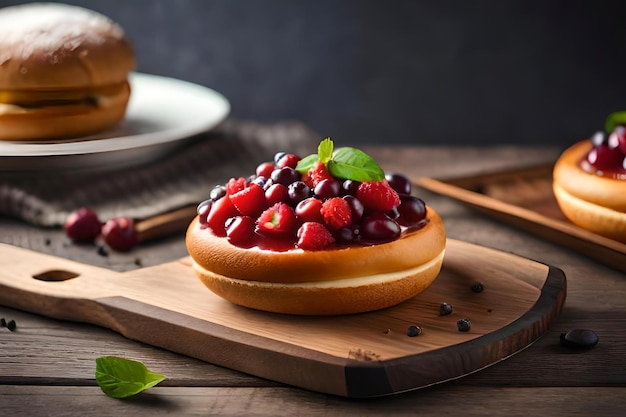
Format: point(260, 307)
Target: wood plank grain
point(167, 306)
point(162, 400)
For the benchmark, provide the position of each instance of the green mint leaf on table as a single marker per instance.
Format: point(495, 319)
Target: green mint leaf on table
point(613, 120)
point(121, 378)
point(345, 163)
point(354, 164)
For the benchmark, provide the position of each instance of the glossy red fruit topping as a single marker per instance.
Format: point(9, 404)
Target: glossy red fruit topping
point(310, 210)
point(604, 158)
point(276, 193)
point(377, 195)
point(240, 231)
point(120, 233)
point(617, 139)
point(221, 210)
point(278, 221)
point(411, 211)
point(400, 183)
point(327, 188)
point(337, 213)
point(380, 227)
point(250, 201)
point(314, 236)
point(288, 160)
point(235, 185)
point(265, 169)
point(82, 225)
point(316, 174)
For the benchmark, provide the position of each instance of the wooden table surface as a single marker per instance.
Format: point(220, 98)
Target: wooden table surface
point(47, 366)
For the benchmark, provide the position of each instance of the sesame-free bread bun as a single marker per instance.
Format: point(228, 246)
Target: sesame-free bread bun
point(63, 72)
point(594, 202)
point(334, 281)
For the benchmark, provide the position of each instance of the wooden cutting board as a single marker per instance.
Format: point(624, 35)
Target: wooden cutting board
point(360, 355)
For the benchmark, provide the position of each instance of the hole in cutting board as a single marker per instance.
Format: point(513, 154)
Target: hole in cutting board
point(55, 275)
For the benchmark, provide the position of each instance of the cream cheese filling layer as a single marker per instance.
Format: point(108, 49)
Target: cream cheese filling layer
point(340, 283)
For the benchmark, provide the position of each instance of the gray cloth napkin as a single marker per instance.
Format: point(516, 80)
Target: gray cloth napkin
point(184, 178)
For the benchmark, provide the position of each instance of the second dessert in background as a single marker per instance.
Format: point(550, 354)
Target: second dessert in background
point(590, 181)
point(63, 72)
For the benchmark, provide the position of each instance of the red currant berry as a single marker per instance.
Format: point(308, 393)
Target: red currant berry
point(82, 225)
point(288, 160)
point(310, 210)
point(120, 234)
point(265, 169)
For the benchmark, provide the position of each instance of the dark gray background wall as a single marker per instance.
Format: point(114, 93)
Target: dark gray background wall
point(423, 72)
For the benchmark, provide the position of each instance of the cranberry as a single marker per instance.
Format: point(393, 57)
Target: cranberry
point(203, 211)
point(288, 160)
point(604, 158)
point(120, 234)
point(400, 183)
point(276, 193)
point(309, 210)
point(617, 139)
point(327, 188)
point(378, 226)
point(356, 207)
point(265, 169)
point(284, 175)
point(82, 225)
point(411, 210)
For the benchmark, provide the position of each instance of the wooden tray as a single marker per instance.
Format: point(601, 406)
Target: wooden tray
point(360, 355)
point(524, 198)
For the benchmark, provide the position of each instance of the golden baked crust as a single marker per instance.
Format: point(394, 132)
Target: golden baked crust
point(593, 202)
point(602, 191)
point(325, 282)
point(219, 256)
point(57, 46)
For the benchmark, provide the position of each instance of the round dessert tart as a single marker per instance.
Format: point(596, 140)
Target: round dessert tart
point(340, 238)
point(589, 183)
point(63, 72)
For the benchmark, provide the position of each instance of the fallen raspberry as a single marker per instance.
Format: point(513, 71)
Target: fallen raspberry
point(337, 213)
point(377, 195)
point(314, 236)
point(82, 225)
point(278, 221)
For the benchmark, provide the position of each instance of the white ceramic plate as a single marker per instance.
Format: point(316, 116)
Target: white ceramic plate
point(162, 114)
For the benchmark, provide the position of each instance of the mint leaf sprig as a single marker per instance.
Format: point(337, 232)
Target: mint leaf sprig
point(613, 120)
point(122, 378)
point(344, 163)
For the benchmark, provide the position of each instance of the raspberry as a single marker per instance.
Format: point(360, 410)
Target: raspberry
point(377, 195)
point(313, 236)
point(235, 185)
point(316, 174)
point(337, 213)
point(278, 221)
point(250, 201)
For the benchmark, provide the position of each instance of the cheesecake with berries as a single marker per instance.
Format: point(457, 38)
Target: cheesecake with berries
point(589, 181)
point(327, 234)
